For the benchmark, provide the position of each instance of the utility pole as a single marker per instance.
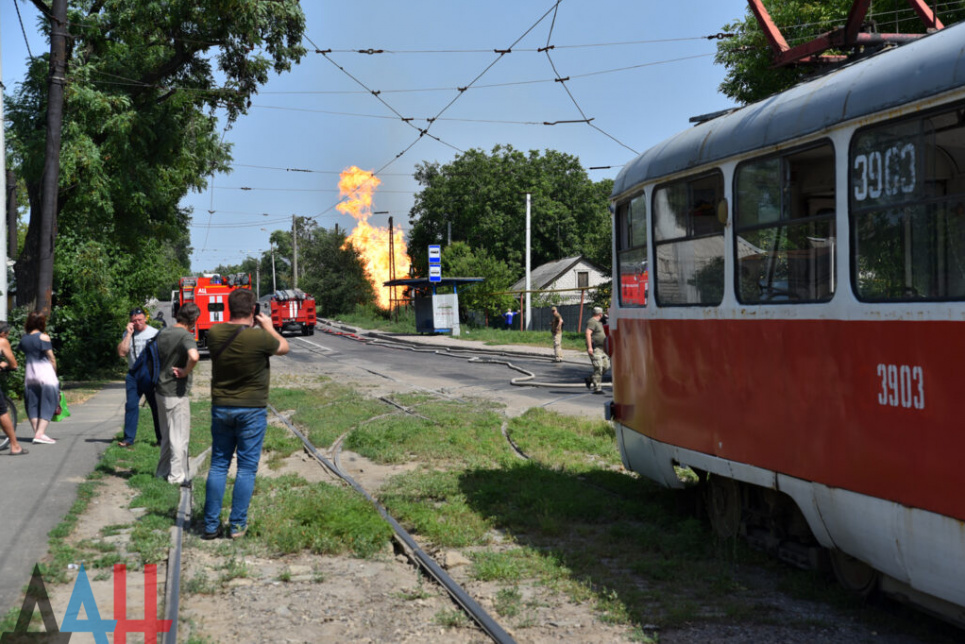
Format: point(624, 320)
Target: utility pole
point(11, 208)
point(51, 176)
point(528, 285)
point(294, 252)
point(8, 195)
point(274, 284)
point(392, 302)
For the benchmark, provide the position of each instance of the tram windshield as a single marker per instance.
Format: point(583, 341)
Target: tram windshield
point(907, 208)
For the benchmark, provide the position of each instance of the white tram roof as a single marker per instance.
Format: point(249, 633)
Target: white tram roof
point(918, 70)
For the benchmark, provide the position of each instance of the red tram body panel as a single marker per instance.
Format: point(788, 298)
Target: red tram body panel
point(856, 414)
point(801, 263)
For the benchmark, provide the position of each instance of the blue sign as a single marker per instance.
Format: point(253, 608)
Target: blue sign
point(435, 273)
point(435, 255)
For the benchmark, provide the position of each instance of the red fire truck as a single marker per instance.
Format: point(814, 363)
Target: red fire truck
point(293, 309)
point(210, 293)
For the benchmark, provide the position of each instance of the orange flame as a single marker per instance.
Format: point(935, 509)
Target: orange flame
point(372, 242)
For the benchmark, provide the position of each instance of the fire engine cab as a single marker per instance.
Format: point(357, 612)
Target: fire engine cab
point(210, 293)
point(293, 310)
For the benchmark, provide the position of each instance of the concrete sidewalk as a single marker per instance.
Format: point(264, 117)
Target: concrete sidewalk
point(40, 487)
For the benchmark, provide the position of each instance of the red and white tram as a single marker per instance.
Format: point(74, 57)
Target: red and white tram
point(800, 345)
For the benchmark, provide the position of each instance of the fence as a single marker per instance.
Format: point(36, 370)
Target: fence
point(542, 317)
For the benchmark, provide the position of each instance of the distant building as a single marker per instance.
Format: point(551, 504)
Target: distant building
point(567, 273)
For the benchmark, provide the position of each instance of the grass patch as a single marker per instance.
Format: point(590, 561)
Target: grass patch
point(200, 584)
point(326, 413)
point(451, 619)
point(432, 505)
point(454, 435)
point(289, 514)
point(508, 602)
point(515, 565)
point(569, 442)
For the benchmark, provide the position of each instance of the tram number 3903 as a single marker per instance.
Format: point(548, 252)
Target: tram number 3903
point(890, 173)
point(901, 386)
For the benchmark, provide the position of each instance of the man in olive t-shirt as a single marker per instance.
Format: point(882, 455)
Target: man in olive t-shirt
point(240, 375)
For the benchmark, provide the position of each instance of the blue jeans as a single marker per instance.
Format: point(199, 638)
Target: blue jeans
point(132, 410)
point(241, 429)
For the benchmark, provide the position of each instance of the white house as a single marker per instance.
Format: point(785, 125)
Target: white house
point(568, 273)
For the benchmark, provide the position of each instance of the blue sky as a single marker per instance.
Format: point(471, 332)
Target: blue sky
point(638, 68)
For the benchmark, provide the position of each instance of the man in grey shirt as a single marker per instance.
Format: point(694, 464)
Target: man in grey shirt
point(136, 335)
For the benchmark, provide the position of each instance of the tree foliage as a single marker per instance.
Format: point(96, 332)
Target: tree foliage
point(483, 197)
point(751, 75)
point(334, 274)
point(489, 295)
point(144, 80)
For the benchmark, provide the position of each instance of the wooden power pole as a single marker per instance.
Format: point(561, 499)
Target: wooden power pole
point(51, 176)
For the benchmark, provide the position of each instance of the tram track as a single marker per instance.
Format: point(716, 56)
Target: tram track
point(409, 545)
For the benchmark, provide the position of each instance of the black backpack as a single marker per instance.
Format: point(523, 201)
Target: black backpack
point(147, 367)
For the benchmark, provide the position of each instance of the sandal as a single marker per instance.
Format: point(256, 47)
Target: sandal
point(23, 450)
point(44, 440)
point(124, 444)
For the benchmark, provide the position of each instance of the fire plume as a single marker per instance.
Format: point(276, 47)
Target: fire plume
point(372, 242)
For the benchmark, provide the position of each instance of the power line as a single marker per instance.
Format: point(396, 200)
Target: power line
point(246, 188)
point(338, 172)
point(22, 30)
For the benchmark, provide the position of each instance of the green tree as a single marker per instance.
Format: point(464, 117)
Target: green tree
point(143, 82)
point(334, 273)
point(459, 259)
point(483, 197)
point(751, 75)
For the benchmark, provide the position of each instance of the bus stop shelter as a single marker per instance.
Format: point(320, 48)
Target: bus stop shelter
point(435, 312)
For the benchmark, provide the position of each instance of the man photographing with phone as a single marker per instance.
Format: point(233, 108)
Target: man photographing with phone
point(240, 376)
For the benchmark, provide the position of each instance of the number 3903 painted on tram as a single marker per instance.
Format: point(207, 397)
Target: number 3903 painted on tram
point(901, 386)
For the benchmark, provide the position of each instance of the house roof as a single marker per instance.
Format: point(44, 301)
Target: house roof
point(544, 275)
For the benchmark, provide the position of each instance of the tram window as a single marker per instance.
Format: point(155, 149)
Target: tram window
point(689, 242)
point(907, 202)
point(632, 251)
point(784, 227)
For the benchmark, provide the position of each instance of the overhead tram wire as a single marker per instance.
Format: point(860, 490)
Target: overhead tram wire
point(246, 188)
point(338, 172)
point(655, 41)
point(562, 81)
point(22, 30)
point(460, 90)
point(391, 118)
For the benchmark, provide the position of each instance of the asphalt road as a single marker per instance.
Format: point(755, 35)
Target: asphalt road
point(464, 370)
